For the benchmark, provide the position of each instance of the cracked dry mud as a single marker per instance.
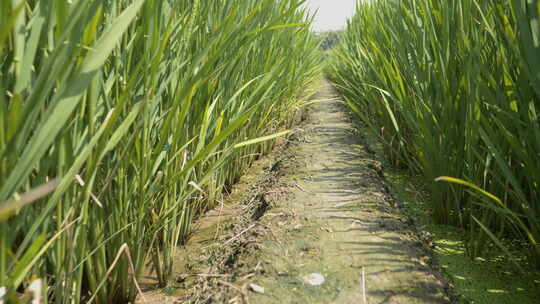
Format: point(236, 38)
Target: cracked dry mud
point(327, 211)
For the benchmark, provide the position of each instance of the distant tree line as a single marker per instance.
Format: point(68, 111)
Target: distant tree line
point(329, 39)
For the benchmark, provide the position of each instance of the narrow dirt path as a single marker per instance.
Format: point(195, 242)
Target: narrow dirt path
point(347, 224)
point(336, 219)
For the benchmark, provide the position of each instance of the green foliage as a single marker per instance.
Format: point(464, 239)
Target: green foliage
point(329, 39)
point(135, 114)
point(452, 89)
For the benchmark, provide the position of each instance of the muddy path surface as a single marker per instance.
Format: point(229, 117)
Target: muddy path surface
point(321, 207)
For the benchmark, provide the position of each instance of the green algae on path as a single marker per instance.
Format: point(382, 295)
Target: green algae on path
point(493, 280)
point(343, 222)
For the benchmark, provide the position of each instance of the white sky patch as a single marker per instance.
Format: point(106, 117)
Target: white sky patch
point(332, 14)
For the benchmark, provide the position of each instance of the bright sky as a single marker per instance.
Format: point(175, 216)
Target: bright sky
point(332, 14)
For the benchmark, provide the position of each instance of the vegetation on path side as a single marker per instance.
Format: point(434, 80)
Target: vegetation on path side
point(133, 115)
point(452, 89)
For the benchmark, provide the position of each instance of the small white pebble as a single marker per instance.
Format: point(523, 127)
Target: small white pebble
point(256, 288)
point(314, 279)
point(3, 292)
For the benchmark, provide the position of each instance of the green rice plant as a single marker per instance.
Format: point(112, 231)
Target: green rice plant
point(121, 121)
point(452, 88)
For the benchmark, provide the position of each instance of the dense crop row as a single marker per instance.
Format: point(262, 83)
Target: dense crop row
point(133, 115)
point(453, 89)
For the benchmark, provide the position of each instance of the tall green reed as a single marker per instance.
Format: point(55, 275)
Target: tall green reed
point(131, 113)
point(452, 89)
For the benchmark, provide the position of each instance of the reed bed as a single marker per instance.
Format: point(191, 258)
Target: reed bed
point(122, 120)
point(452, 88)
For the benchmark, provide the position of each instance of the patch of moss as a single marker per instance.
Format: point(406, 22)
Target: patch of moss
point(490, 280)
